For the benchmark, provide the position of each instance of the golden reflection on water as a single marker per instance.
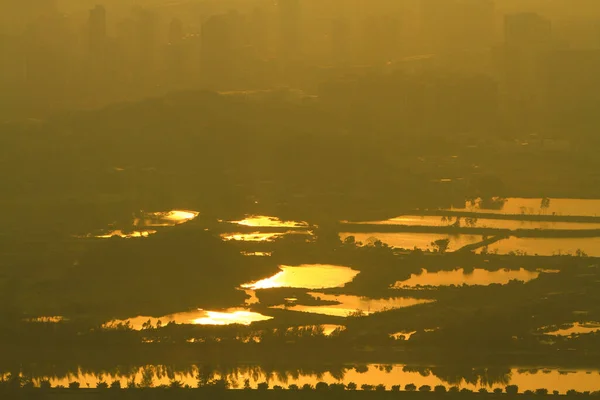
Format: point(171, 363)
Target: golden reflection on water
point(315, 276)
point(252, 237)
point(353, 305)
point(411, 240)
point(515, 205)
point(416, 220)
point(197, 317)
point(459, 277)
point(404, 335)
point(388, 375)
point(547, 246)
point(577, 329)
point(166, 218)
point(263, 221)
point(126, 235)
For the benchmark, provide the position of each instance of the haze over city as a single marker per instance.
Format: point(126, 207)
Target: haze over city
point(299, 198)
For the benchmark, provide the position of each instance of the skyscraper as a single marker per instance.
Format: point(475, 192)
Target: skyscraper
point(528, 39)
point(97, 29)
point(289, 28)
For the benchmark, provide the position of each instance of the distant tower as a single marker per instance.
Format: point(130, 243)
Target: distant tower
point(217, 57)
point(97, 29)
point(289, 28)
point(528, 40)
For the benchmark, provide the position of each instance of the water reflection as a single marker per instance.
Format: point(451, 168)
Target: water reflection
point(576, 329)
point(269, 222)
point(533, 206)
point(51, 319)
point(367, 374)
point(348, 305)
point(306, 276)
point(459, 277)
point(165, 218)
point(404, 335)
point(261, 236)
point(415, 220)
point(257, 253)
point(126, 235)
point(413, 240)
point(547, 246)
point(197, 317)
point(252, 237)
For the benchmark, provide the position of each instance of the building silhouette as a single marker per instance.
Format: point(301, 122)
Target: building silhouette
point(97, 29)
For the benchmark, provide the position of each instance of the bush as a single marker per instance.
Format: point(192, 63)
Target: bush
point(380, 388)
point(293, 387)
point(262, 386)
point(528, 392)
point(454, 389)
point(425, 388)
point(321, 386)
point(277, 387)
point(307, 386)
point(115, 385)
point(541, 392)
point(395, 388)
point(498, 390)
point(101, 385)
point(411, 387)
point(512, 389)
point(439, 389)
point(465, 390)
point(338, 387)
point(45, 384)
point(366, 387)
point(174, 384)
point(352, 386)
point(483, 390)
point(74, 385)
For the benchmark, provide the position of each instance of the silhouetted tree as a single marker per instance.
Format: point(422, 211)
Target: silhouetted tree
point(307, 386)
point(441, 245)
point(512, 389)
point(367, 387)
point(45, 384)
point(175, 384)
point(541, 392)
point(395, 388)
point(321, 386)
point(115, 385)
point(352, 386)
point(101, 385)
point(293, 387)
point(74, 385)
point(262, 386)
point(439, 389)
point(380, 388)
point(411, 387)
point(498, 390)
point(425, 388)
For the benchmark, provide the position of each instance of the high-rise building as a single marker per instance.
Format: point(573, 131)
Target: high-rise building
point(527, 30)
point(571, 89)
point(97, 29)
point(528, 39)
point(289, 28)
point(218, 50)
point(456, 25)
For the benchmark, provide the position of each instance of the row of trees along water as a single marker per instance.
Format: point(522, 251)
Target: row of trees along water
point(12, 383)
